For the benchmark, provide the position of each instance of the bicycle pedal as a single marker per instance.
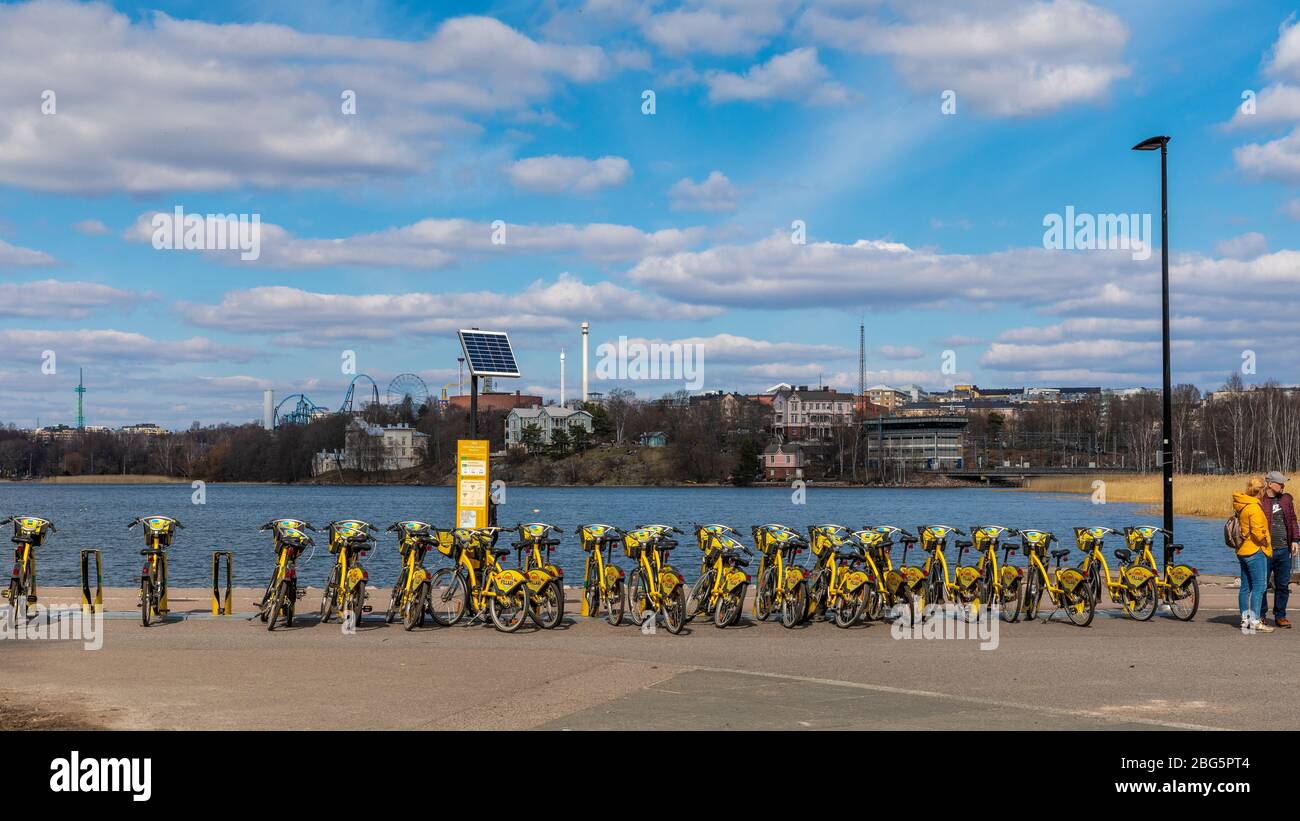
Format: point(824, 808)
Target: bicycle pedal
point(367, 609)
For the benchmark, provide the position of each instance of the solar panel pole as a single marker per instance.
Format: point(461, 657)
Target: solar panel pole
point(473, 405)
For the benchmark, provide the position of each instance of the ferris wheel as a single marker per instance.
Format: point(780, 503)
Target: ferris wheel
point(406, 385)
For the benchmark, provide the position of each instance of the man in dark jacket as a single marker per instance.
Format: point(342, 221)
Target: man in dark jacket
point(1285, 534)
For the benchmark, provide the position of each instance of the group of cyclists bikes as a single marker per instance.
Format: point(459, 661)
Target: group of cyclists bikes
point(848, 577)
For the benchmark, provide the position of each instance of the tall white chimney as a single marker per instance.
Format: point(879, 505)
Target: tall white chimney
point(268, 409)
point(585, 328)
point(561, 377)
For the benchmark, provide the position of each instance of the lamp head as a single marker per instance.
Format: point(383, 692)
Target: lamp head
point(1151, 144)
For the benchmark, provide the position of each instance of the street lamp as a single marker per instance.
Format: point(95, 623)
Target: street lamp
point(1166, 433)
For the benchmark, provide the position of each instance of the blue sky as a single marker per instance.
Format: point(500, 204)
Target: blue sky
point(668, 226)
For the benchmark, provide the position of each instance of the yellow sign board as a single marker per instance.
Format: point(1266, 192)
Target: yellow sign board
point(472, 483)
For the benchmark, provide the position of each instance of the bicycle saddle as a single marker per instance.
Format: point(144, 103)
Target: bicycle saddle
point(1060, 554)
point(152, 551)
point(965, 544)
point(1123, 554)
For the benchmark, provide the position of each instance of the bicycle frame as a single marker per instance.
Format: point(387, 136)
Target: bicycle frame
point(350, 540)
point(597, 541)
point(774, 543)
point(718, 548)
point(841, 581)
point(157, 532)
point(661, 579)
point(1128, 575)
point(29, 533)
point(1177, 585)
point(1060, 582)
point(414, 539)
point(934, 540)
point(289, 540)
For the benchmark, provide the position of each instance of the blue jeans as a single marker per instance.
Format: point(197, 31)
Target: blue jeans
point(1280, 567)
point(1254, 578)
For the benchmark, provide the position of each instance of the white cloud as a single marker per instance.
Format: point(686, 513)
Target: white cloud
point(306, 318)
point(91, 228)
point(1242, 246)
point(553, 173)
point(724, 347)
point(12, 256)
point(117, 348)
point(796, 75)
point(51, 298)
point(775, 273)
point(162, 104)
point(719, 27)
point(714, 193)
point(1005, 58)
point(1275, 160)
point(901, 352)
point(437, 243)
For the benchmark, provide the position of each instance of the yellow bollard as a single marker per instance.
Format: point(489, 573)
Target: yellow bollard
point(585, 575)
point(91, 604)
point(221, 605)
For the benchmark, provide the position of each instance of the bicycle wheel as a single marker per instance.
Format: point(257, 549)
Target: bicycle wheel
point(413, 606)
point(637, 602)
point(727, 610)
point(448, 596)
point(849, 607)
point(874, 604)
point(1080, 605)
point(509, 611)
point(794, 605)
point(290, 601)
point(984, 604)
point(1141, 603)
point(614, 604)
point(17, 601)
point(697, 602)
point(548, 609)
point(1011, 601)
point(395, 600)
point(330, 597)
point(591, 589)
point(1186, 600)
point(675, 610)
point(146, 600)
point(1033, 595)
point(932, 605)
point(356, 602)
point(764, 594)
point(905, 606)
point(277, 601)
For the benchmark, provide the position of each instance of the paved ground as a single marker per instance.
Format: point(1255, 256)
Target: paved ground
point(226, 673)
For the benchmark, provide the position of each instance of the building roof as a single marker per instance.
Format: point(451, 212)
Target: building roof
point(773, 449)
point(553, 411)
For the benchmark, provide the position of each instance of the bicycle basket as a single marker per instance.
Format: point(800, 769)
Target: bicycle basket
point(446, 542)
point(826, 538)
point(1036, 540)
point(592, 536)
point(637, 541)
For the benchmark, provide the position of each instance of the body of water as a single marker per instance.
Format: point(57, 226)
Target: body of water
point(95, 516)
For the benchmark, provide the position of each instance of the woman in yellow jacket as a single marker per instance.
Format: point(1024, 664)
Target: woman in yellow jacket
point(1253, 555)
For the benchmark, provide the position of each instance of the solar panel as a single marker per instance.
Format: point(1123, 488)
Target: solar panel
point(488, 353)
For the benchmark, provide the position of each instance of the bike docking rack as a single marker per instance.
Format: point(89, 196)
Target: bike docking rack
point(222, 605)
point(89, 604)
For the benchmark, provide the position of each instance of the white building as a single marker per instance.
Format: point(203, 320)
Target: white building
point(547, 419)
point(372, 448)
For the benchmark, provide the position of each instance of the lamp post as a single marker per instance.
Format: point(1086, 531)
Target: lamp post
point(1167, 432)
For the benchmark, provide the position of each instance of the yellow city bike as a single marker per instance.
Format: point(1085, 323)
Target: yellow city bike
point(939, 588)
point(476, 583)
point(782, 584)
point(289, 539)
point(158, 532)
point(655, 587)
point(603, 582)
point(892, 591)
point(30, 532)
point(839, 581)
point(1177, 585)
point(345, 591)
point(720, 590)
point(987, 584)
point(1133, 587)
point(410, 597)
point(545, 577)
point(1065, 586)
